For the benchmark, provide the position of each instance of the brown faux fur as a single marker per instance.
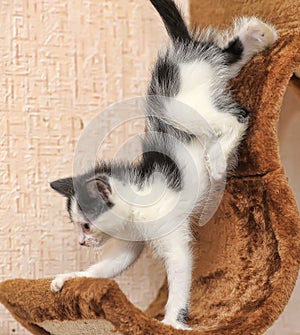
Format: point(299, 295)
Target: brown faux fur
point(246, 259)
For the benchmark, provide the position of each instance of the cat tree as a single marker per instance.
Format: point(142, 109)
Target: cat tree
point(246, 258)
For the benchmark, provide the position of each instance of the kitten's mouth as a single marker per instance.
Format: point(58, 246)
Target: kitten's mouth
point(93, 244)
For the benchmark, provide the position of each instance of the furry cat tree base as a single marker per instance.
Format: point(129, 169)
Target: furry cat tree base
point(246, 258)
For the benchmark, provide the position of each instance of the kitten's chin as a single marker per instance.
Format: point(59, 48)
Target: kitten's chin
point(95, 243)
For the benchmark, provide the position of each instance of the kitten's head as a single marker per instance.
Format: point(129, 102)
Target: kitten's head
point(89, 199)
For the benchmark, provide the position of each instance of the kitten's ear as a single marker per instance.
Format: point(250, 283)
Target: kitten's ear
point(99, 187)
point(63, 186)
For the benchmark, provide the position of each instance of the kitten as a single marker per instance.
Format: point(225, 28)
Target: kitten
point(194, 129)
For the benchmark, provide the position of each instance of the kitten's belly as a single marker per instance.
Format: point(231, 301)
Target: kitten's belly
point(173, 208)
point(198, 82)
point(194, 108)
point(195, 172)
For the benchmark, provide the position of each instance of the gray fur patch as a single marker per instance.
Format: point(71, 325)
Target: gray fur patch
point(183, 315)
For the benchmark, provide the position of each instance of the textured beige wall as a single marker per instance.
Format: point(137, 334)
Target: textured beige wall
point(61, 62)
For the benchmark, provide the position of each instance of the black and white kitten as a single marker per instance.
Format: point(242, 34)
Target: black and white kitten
point(194, 129)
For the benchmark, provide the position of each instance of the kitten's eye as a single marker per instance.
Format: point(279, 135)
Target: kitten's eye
point(86, 226)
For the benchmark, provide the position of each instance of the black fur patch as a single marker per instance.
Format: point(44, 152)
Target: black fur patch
point(234, 51)
point(159, 155)
point(183, 316)
point(165, 82)
point(69, 205)
point(165, 78)
point(157, 161)
point(243, 115)
point(172, 19)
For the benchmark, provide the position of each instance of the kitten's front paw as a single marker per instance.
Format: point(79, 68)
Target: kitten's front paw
point(257, 35)
point(58, 282)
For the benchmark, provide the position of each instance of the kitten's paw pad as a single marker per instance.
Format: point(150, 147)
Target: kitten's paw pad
point(257, 35)
point(59, 281)
point(262, 32)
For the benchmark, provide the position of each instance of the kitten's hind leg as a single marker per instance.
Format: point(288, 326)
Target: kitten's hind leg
point(250, 37)
point(176, 253)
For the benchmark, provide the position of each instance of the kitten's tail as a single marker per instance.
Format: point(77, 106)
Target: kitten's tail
point(173, 20)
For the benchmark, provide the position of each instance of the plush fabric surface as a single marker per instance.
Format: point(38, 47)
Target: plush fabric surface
point(247, 257)
point(284, 14)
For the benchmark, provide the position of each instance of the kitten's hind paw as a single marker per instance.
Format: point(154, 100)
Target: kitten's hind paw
point(262, 32)
point(256, 35)
point(176, 324)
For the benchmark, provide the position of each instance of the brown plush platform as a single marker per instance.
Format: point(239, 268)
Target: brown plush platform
point(246, 259)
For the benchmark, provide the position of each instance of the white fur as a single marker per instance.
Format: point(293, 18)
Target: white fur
point(156, 214)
